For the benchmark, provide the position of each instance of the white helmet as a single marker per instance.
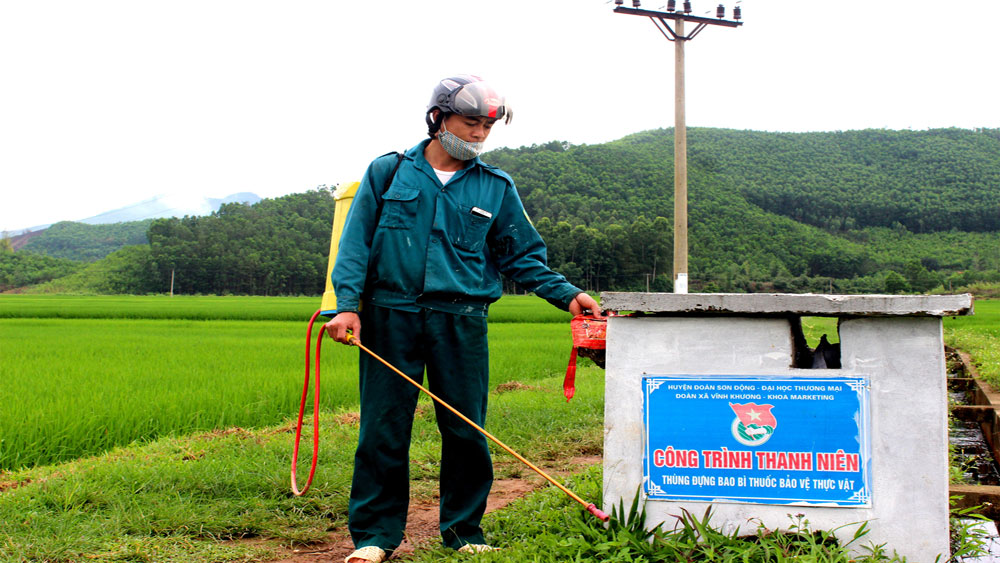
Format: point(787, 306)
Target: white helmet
point(466, 94)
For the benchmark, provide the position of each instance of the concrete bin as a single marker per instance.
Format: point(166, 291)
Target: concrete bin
point(703, 406)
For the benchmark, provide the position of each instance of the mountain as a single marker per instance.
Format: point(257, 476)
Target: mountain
point(95, 237)
point(163, 206)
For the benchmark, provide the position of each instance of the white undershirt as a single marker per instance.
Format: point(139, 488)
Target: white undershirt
point(444, 176)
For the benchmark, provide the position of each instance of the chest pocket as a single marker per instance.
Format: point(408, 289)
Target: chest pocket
point(399, 207)
point(473, 229)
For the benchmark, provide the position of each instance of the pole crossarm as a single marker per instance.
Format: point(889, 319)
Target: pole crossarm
point(696, 31)
point(672, 36)
point(676, 16)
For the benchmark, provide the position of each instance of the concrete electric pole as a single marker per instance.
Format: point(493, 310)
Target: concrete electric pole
point(676, 34)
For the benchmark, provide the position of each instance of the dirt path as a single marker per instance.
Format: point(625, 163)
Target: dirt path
point(422, 518)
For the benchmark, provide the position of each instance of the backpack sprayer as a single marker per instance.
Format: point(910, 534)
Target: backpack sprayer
point(343, 196)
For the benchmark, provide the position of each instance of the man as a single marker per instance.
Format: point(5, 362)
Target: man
point(426, 264)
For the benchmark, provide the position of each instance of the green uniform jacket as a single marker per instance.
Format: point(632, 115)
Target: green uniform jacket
point(440, 247)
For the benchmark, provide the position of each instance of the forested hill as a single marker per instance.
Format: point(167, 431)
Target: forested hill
point(83, 242)
point(927, 181)
point(847, 212)
point(768, 207)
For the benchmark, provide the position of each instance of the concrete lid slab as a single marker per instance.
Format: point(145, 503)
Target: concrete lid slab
point(790, 304)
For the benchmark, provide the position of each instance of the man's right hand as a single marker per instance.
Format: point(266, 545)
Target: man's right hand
point(341, 324)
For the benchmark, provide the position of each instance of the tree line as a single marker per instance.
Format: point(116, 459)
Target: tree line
point(86, 243)
point(856, 211)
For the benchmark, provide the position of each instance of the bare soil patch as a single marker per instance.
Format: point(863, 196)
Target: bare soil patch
point(422, 518)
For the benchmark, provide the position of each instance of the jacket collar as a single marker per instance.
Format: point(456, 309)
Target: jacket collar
point(417, 155)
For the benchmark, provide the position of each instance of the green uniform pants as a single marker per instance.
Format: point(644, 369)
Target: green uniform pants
point(454, 351)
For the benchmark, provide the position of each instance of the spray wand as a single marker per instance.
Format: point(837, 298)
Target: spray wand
point(591, 507)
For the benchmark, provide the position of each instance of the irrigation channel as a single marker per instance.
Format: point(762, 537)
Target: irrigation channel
point(974, 434)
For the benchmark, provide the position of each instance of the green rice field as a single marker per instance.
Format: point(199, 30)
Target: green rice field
point(81, 375)
point(979, 335)
point(518, 308)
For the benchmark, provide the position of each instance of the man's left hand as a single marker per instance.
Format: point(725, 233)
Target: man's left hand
point(583, 302)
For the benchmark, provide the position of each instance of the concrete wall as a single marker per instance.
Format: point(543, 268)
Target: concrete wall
point(904, 360)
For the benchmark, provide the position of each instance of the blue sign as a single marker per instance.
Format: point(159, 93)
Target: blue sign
point(765, 440)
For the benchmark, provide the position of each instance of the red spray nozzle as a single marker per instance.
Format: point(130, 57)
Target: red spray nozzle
point(592, 508)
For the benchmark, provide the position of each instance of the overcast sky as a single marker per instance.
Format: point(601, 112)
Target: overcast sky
point(107, 103)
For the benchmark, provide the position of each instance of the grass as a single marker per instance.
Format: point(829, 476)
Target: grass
point(979, 335)
point(547, 526)
point(158, 307)
point(184, 493)
point(94, 384)
point(185, 498)
point(105, 371)
point(138, 368)
point(814, 327)
point(81, 386)
point(85, 374)
point(510, 309)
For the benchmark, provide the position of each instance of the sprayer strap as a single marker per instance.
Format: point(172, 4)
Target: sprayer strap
point(569, 382)
point(385, 188)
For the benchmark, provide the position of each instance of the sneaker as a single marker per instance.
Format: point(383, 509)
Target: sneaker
point(369, 553)
point(476, 548)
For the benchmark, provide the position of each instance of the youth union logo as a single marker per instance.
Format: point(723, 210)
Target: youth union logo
point(753, 424)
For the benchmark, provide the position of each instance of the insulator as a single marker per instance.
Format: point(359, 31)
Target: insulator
point(687, 6)
point(671, 5)
point(737, 13)
point(720, 12)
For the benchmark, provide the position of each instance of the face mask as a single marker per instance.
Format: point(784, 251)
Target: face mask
point(456, 147)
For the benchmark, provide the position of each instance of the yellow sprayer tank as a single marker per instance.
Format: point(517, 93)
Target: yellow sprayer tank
point(343, 196)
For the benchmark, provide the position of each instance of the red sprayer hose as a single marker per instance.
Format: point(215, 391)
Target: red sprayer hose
point(302, 409)
point(591, 507)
